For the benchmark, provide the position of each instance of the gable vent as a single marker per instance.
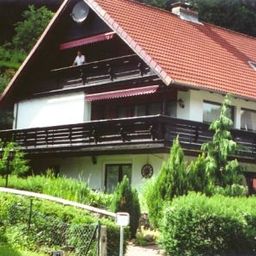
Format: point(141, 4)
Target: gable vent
point(252, 64)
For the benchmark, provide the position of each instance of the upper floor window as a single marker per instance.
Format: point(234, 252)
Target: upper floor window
point(154, 108)
point(140, 110)
point(248, 120)
point(171, 109)
point(211, 111)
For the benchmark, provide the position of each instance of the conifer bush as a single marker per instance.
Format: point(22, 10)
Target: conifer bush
point(171, 181)
point(220, 169)
point(126, 199)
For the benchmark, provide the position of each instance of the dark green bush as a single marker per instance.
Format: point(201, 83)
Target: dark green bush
point(196, 225)
point(126, 199)
point(170, 182)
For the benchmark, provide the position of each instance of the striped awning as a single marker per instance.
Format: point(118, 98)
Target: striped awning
point(87, 40)
point(122, 93)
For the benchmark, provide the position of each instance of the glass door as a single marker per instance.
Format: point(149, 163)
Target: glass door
point(114, 174)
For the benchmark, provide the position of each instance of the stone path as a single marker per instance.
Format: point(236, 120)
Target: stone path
point(152, 250)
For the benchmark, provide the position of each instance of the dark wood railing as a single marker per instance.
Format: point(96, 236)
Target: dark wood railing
point(109, 70)
point(147, 132)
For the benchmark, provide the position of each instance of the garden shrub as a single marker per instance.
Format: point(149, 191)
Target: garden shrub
point(50, 221)
point(12, 161)
point(171, 181)
point(126, 199)
point(196, 225)
point(234, 190)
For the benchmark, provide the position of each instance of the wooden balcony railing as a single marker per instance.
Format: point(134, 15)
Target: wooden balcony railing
point(107, 70)
point(150, 132)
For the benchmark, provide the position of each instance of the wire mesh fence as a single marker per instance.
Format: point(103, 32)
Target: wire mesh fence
point(48, 233)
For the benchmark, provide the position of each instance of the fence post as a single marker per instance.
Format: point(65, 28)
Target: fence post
point(30, 213)
point(103, 241)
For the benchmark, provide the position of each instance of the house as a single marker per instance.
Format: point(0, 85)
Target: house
point(149, 75)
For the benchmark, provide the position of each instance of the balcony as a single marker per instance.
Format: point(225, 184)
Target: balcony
point(129, 135)
point(113, 70)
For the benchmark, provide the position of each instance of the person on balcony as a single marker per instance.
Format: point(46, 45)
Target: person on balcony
point(79, 60)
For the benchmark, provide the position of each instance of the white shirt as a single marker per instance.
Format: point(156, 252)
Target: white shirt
point(79, 60)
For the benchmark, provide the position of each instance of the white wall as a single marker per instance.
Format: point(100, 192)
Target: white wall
point(94, 173)
point(52, 110)
point(193, 105)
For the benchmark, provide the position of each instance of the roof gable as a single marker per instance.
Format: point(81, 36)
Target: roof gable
point(180, 52)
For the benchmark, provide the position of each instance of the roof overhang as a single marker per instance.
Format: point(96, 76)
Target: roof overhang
point(122, 93)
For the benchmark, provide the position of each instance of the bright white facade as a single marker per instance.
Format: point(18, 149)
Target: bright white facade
point(53, 110)
point(194, 108)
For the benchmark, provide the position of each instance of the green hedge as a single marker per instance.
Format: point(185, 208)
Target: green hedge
point(49, 221)
point(67, 188)
point(196, 225)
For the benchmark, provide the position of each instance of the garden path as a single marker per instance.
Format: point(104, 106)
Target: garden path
point(151, 250)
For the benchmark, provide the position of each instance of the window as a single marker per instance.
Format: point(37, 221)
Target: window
point(123, 111)
point(140, 110)
point(154, 108)
point(171, 108)
point(248, 120)
point(114, 174)
point(211, 112)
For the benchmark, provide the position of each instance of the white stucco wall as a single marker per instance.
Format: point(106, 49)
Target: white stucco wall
point(94, 173)
point(193, 105)
point(52, 110)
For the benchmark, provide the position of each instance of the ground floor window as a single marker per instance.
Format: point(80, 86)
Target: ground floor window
point(114, 173)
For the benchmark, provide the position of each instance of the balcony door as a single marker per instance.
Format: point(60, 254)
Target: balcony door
point(251, 182)
point(114, 174)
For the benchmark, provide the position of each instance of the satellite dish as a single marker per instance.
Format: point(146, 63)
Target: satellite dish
point(80, 12)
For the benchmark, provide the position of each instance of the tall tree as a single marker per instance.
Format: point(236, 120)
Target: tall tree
point(238, 15)
point(29, 30)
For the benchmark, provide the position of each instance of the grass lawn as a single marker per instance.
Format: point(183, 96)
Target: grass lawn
point(6, 250)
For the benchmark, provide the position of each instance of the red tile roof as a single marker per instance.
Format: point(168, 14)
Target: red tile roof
point(201, 56)
point(180, 52)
